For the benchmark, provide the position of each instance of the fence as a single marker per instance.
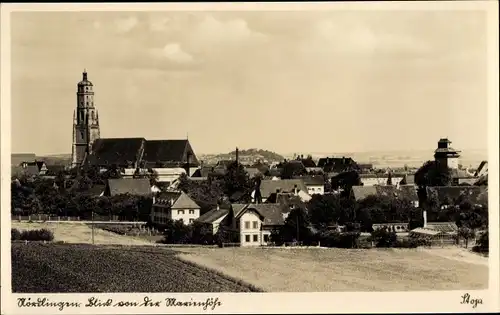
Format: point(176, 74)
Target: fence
point(43, 217)
point(47, 217)
point(231, 244)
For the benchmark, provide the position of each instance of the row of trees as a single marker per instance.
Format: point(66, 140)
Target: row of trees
point(30, 196)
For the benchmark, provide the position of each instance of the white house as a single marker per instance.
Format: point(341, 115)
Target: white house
point(174, 206)
point(315, 184)
point(251, 224)
point(379, 179)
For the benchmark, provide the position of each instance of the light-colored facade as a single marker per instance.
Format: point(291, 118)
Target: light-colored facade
point(372, 180)
point(397, 227)
point(315, 189)
point(251, 231)
point(176, 206)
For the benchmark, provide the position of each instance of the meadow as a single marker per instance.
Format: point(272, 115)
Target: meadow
point(112, 267)
point(67, 268)
point(335, 269)
point(81, 233)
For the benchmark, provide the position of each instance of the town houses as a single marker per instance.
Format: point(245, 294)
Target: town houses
point(248, 204)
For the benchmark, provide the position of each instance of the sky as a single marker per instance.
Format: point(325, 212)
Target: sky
point(318, 81)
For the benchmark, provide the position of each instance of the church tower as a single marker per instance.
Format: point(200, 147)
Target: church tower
point(85, 122)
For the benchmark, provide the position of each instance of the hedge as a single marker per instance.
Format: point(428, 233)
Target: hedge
point(32, 235)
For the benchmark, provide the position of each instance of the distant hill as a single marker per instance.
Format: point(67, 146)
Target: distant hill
point(56, 159)
point(245, 156)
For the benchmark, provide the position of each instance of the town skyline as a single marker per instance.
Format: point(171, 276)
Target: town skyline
point(220, 79)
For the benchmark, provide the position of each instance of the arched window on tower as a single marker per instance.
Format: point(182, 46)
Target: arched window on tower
point(93, 116)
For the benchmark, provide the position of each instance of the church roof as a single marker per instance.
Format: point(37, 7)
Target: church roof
point(169, 151)
point(118, 151)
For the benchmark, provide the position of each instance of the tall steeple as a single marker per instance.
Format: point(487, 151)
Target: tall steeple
point(85, 121)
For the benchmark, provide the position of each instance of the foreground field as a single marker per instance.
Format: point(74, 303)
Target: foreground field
point(318, 269)
point(81, 233)
point(58, 268)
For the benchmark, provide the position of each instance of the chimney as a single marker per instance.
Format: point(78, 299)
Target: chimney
point(295, 190)
point(425, 219)
point(237, 154)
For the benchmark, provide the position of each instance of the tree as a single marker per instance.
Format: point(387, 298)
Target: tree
point(236, 179)
point(389, 179)
point(346, 181)
point(205, 193)
point(325, 210)
point(428, 175)
point(466, 234)
point(292, 169)
point(296, 227)
point(483, 244)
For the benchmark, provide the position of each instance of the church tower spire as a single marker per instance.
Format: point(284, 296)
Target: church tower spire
point(85, 122)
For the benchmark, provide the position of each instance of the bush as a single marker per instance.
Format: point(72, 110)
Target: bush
point(340, 240)
point(15, 235)
point(384, 238)
point(483, 244)
point(37, 235)
point(411, 243)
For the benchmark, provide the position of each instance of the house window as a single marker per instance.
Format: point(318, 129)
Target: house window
point(191, 221)
point(255, 224)
point(191, 211)
point(247, 238)
point(266, 238)
point(255, 238)
point(247, 225)
point(180, 212)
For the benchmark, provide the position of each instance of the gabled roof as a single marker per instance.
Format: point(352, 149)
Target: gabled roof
point(238, 208)
point(308, 162)
point(312, 180)
point(118, 151)
point(271, 212)
point(362, 192)
point(204, 171)
point(213, 215)
point(267, 187)
point(337, 165)
point(133, 186)
point(166, 151)
point(409, 191)
point(178, 200)
point(454, 192)
point(404, 191)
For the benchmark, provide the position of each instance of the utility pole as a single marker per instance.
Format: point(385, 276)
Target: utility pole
point(92, 227)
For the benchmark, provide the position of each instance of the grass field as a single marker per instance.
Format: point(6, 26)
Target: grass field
point(275, 270)
point(317, 269)
point(57, 268)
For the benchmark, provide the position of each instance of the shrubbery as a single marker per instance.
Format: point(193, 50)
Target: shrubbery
point(32, 235)
point(483, 244)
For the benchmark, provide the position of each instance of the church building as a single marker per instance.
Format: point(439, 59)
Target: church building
point(127, 153)
point(85, 122)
